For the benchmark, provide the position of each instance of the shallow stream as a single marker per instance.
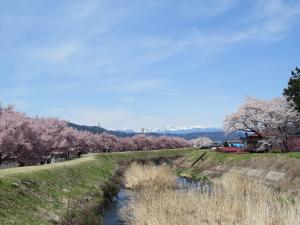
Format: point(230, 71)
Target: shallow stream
point(112, 215)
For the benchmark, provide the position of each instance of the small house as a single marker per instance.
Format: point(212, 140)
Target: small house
point(236, 146)
point(251, 142)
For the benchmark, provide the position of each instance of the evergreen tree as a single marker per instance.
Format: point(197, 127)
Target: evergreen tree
point(292, 92)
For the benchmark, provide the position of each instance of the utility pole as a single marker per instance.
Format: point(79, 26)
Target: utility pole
point(99, 127)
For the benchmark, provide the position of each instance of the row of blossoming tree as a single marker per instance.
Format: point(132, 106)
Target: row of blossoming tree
point(26, 141)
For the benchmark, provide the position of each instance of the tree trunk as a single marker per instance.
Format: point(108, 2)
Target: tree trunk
point(285, 145)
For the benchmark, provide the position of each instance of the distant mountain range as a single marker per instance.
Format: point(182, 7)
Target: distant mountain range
point(188, 133)
point(185, 129)
point(99, 130)
point(127, 131)
point(217, 136)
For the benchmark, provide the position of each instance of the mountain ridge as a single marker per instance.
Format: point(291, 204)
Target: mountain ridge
point(216, 135)
point(185, 129)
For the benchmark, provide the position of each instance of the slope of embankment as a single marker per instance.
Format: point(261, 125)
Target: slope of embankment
point(63, 192)
point(279, 170)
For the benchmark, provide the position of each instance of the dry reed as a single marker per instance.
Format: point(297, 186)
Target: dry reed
point(235, 201)
point(143, 176)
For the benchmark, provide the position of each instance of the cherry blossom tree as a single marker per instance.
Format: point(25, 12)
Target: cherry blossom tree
point(180, 142)
point(52, 135)
point(28, 140)
point(202, 142)
point(250, 117)
point(271, 120)
point(283, 119)
point(108, 142)
point(165, 142)
point(17, 139)
point(128, 144)
point(82, 141)
point(142, 142)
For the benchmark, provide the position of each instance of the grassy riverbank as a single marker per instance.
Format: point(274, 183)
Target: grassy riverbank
point(218, 157)
point(284, 162)
point(46, 194)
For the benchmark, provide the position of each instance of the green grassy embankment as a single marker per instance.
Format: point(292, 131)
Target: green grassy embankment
point(49, 193)
point(216, 164)
point(46, 194)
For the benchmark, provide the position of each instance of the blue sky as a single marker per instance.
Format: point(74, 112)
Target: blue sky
point(135, 63)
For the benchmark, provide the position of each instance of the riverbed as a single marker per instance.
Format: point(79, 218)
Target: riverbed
point(112, 214)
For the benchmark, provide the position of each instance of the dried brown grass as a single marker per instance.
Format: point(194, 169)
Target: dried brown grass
point(139, 176)
point(235, 201)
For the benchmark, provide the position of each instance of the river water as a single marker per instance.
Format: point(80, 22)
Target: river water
point(112, 214)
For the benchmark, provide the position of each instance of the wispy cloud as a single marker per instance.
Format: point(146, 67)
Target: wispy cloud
point(216, 7)
point(125, 54)
point(105, 48)
point(270, 20)
point(136, 86)
point(114, 118)
point(127, 99)
point(57, 54)
point(26, 90)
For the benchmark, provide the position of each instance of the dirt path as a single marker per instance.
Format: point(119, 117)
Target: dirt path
point(28, 169)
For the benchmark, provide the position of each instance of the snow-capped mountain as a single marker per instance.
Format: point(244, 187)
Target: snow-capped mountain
point(185, 129)
point(127, 131)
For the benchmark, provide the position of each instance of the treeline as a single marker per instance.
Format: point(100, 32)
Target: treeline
point(27, 141)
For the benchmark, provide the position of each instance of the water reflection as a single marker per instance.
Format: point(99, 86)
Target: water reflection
point(186, 184)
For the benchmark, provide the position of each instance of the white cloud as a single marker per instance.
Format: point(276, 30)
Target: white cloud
point(27, 90)
point(17, 103)
point(101, 52)
point(127, 99)
point(57, 54)
point(270, 20)
point(136, 86)
point(269, 7)
point(214, 7)
point(94, 54)
point(81, 11)
point(209, 8)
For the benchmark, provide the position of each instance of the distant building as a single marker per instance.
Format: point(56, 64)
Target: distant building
point(235, 146)
point(294, 143)
point(251, 142)
point(217, 144)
